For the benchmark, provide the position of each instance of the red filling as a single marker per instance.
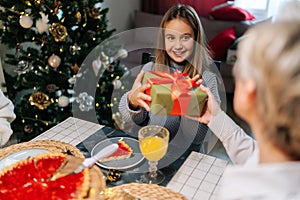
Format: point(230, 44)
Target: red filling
point(30, 181)
point(123, 149)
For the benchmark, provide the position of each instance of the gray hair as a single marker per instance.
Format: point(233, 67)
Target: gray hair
point(270, 55)
point(289, 10)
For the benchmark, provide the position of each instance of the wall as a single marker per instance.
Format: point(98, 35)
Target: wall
point(121, 13)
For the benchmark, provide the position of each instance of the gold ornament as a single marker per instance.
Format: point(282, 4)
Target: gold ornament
point(40, 100)
point(38, 2)
point(26, 21)
point(75, 68)
point(59, 32)
point(78, 15)
point(94, 13)
point(113, 175)
point(54, 61)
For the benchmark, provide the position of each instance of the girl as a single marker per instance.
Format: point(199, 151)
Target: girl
point(181, 46)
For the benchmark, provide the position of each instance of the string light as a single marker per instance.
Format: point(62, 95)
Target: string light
point(112, 75)
point(28, 3)
point(97, 104)
point(36, 116)
point(47, 124)
point(23, 121)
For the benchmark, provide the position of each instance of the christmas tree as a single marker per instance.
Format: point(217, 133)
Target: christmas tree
point(51, 39)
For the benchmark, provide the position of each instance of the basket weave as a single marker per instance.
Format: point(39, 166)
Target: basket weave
point(141, 191)
point(51, 145)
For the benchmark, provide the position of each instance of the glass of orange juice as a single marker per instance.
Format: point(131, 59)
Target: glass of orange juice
point(153, 141)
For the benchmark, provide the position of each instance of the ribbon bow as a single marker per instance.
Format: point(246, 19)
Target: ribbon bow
point(179, 84)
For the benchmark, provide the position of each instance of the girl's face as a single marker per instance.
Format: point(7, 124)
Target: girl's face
point(179, 40)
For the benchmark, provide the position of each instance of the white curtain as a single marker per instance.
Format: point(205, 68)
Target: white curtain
point(261, 8)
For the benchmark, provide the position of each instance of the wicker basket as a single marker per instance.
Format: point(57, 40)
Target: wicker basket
point(133, 191)
point(51, 145)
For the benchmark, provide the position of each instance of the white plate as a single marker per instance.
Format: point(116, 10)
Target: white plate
point(19, 155)
point(134, 160)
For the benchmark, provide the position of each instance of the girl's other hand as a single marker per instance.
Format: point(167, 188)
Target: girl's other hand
point(197, 79)
point(136, 96)
point(210, 109)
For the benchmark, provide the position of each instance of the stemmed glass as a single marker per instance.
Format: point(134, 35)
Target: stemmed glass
point(153, 140)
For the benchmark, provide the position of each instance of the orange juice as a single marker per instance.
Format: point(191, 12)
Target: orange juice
point(153, 148)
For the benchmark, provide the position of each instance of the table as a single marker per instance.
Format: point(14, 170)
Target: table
point(195, 175)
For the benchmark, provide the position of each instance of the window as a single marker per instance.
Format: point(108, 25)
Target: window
point(261, 9)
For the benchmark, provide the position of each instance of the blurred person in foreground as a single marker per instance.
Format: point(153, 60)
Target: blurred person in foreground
point(267, 97)
point(7, 115)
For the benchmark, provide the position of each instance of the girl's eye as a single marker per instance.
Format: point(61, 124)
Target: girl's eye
point(170, 38)
point(186, 37)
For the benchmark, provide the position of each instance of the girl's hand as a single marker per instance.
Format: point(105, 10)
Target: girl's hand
point(197, 79)
point(136, 96)
point(211, 108)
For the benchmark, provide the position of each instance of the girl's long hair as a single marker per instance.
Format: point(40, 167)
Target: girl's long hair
point(200, 57)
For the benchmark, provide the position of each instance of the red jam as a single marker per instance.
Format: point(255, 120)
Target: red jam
point(30, 180)
point(122, 150)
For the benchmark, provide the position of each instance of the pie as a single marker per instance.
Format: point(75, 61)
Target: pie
point(31, 179)
point(124, 151)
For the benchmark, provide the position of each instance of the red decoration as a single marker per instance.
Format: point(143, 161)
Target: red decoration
point(231, 13)
point(221, 42)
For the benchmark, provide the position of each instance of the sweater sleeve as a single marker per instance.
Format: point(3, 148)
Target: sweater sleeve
point(7, 115)
point(210, 80)
point(239, 146)
point(139, 117)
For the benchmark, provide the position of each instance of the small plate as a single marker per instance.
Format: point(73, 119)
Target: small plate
point(19, 155)
point(134, 160)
